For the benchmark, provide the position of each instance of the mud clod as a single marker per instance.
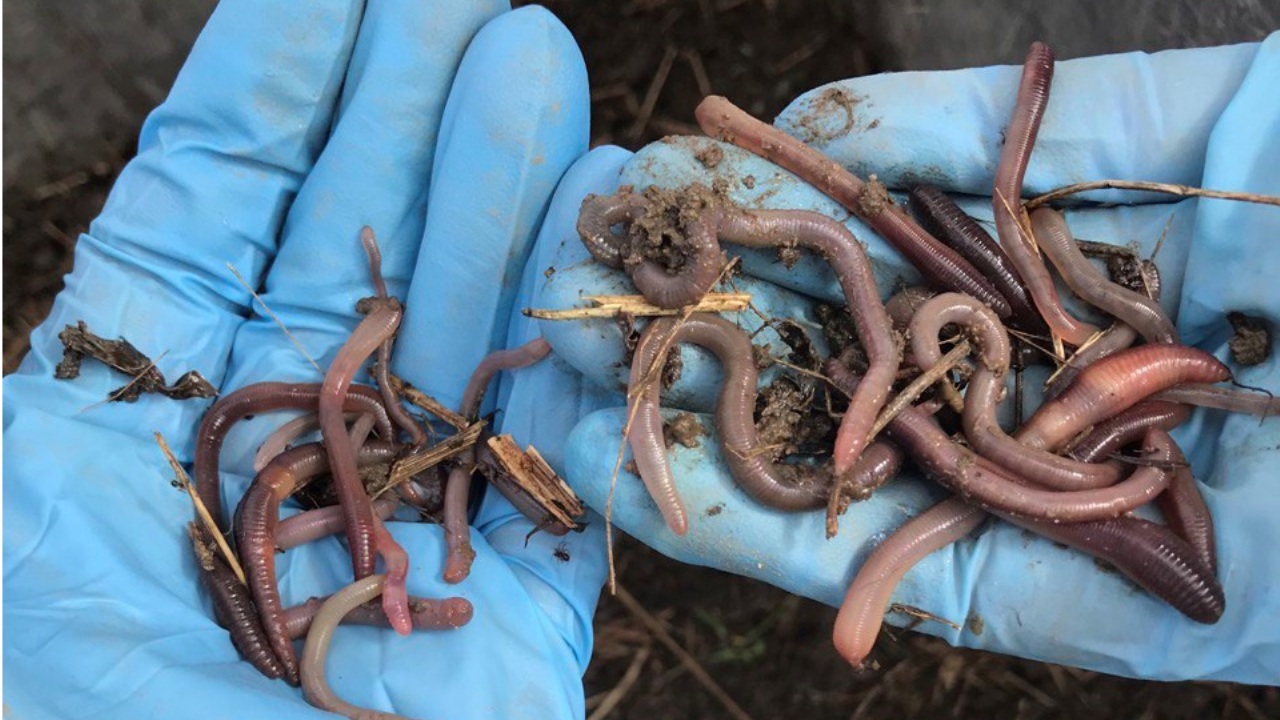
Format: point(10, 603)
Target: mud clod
point(684, 429)
point(874, 199)
point(1251, 343)
point(661, 233)
point(710, 157)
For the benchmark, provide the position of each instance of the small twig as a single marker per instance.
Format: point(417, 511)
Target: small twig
point(651, 95)
point(277, 320)
point(425, 402)
point(690, 663)
point(608, 306)
point(1146, 186)
point(918, 614)
point(1159, 244)
point(411, 465)
point(917, 387)
point(210, 524)
point(122, 390)
point(619, 691)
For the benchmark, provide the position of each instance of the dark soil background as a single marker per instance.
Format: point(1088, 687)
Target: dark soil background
point(80, 78)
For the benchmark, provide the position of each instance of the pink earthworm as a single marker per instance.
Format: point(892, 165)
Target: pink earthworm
point(1006, 199)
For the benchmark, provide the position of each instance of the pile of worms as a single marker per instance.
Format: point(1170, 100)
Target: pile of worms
point(364, 432)
point(1095, 451)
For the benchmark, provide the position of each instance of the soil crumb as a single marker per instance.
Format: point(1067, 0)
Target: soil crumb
point(762, 355)
point(684, 429)
point(630, 336)
point(120, 355)
point(788, 255)
point(788, 421)
point(749, 182)
point(1251, 343)
point(810, 125)
point(672, 368)
point(873, 199)
point(976, 624)
point(715, 510)
point(710, 157)
point(837, 327)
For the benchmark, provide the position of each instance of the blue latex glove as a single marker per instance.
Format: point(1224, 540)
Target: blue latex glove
point(1205, 118)
point(444, 127)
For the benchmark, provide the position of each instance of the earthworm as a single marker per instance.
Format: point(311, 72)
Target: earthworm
point(1185, 510)
point(279, 440)
point(428, 614)
point(862, 612)
point(750, 466)
point(985, 387)
point(457, 530)
point(1253, 403)
point(312, 525)
point(383, 369)
point(1120, 336)
point(989, 486)
point(1114, 384)
point(1139, 311)
point(256, 521)
point(259, 398)
point(878, 465)
point(1149, 554)
point(941, 266)
point(376, 327)
point(1006, 200)
point(314, 686)
point(939, 215)
point(902, 305)
point(686, 284)
point(233, 608)
point(1109, 436)
point(772, 228)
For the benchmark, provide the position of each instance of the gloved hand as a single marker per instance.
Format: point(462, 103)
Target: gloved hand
point(288, 129)
point(1200, 117)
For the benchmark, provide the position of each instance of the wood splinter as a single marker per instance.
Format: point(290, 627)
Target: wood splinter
point(531, 472)
point(607, 306)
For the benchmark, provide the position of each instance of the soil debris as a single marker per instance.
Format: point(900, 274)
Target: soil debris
point(630, 336)
point(710, 156)
point(1251, 343)
point(661, 233)
point(810, 125)
point(873, 199)
point(715, 510)
point(749, 182)
point(684, 429)
point(120, 355)
point(672, 368)
point(837, 327)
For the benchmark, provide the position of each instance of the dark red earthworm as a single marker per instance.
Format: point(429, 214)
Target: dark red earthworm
point(282, 437)
point(989, 486)
point(1114, 384)
point(376, 327)
point(428, 614)
point(1111, 435)
point(311, 525)
point(682, 286)
point(1006, 199)
point(256, 521)
point(939, 215)
point(457, 530)
point(1144, 314)
point(878, 465)
point(862, 612)
point(941, 266)
point(260, 398)
point(1187, 513)
point(1151, 555)
point(1254, 403)
point(234, 609)
point(390, 398)
point(986, 385)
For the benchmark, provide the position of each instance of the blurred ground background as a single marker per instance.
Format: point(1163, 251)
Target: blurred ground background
point(81, 77)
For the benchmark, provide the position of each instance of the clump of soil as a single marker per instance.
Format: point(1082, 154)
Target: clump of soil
point(661, 233)
point(672, 368)
point(710, 156)
point(837, 327)
point(630, 336)
point(120, 355)
point(873, 199)
point(1251, 343)
point(789, 421)
point(684, 429)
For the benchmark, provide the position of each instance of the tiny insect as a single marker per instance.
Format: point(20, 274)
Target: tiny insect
point(562, 552)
